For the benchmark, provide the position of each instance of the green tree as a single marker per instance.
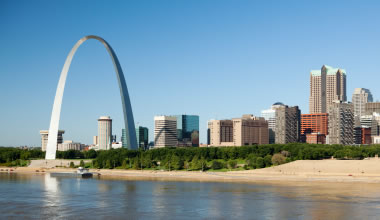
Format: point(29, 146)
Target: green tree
point(216, 165)
point(232, 164)
point(268, 160)
point(251, 161)
point(108, 165)
point(136, 163)
point(124, 165)
point(260, 162)
point(72, 164)
point(177, 162)
point(81, 164)
point(195, 164)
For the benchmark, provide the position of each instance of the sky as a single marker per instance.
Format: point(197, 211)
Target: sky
point(214, 58)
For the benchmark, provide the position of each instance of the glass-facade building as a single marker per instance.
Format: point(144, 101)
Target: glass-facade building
point(188, 130)
point(141, 135)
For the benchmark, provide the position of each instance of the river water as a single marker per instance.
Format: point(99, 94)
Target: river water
point(39, 196)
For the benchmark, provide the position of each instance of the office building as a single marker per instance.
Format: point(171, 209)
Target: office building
point(288, 124)
point(341, 123)
point(372, 107)
point(360, 97)
point(247, 130)
point(44, 138)
point(326, 85)
point(142, 137)
point(188, 130)
point(270, 116)
point(362, 135)
point(70, 145)
point(314, 123)
point(165, 131)
point(104, 133)
point(315, 138)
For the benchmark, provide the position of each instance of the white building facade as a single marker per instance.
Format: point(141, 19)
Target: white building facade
point(165, 131)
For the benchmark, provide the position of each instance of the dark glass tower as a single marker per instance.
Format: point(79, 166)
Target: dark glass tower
point(141, 136)
point(188, 130)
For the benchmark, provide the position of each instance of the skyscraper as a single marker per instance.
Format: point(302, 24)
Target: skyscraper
point(341, 123)
point(188, 130)
point(360, 97)
point(326, 85)
point(142, 137)
point(314, 123)
point(165, 131)
point(288, 124)
point(270, 116)
point(104, 133)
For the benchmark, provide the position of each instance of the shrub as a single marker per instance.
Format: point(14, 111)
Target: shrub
point(278, 159)
point(217, 165)
point(72, 164)
point(232, 164)
point(268, 160)
point(260, 162)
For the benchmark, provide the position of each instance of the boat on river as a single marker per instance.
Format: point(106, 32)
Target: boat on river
point(81, 172)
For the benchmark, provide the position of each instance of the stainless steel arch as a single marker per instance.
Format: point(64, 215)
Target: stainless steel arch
point(127, 108)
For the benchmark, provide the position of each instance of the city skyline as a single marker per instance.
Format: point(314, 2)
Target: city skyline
point(204, 51)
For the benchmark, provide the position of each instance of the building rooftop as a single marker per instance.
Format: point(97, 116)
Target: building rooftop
point(105, 117)
point(330, 71)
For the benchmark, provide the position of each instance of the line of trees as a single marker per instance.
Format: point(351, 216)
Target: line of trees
point(248, 157)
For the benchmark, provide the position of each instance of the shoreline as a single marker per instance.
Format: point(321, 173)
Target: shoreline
point(306, 171)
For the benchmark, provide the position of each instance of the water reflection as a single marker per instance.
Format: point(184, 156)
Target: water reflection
point(51, 199)
point(45, 197)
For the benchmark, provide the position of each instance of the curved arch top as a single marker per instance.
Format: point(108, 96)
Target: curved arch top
point(126, 103)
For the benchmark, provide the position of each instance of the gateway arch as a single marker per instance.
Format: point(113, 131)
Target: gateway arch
point(126, 103)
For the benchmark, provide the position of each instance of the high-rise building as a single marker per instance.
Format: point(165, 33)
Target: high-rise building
point(44, 138)
point(188, 130)
point(247, 130)
point(341, 123)
point(165, 131)
point(326, 85)
point(142, 137)
point(104, 133)
point(288, 124)
point(314, 123)
point(360, 97)
point(270, 116)
point(372, 107)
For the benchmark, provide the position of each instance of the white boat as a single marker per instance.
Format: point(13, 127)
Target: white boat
point(81, 172)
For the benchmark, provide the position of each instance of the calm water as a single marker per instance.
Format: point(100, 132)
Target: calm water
point(29, 196)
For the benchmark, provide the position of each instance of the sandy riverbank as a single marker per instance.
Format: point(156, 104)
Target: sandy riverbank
point(360, 171)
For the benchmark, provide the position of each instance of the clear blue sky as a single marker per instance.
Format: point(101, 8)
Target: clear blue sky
point(216, 59)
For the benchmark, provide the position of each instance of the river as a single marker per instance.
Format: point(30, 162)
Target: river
point(39, 196)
